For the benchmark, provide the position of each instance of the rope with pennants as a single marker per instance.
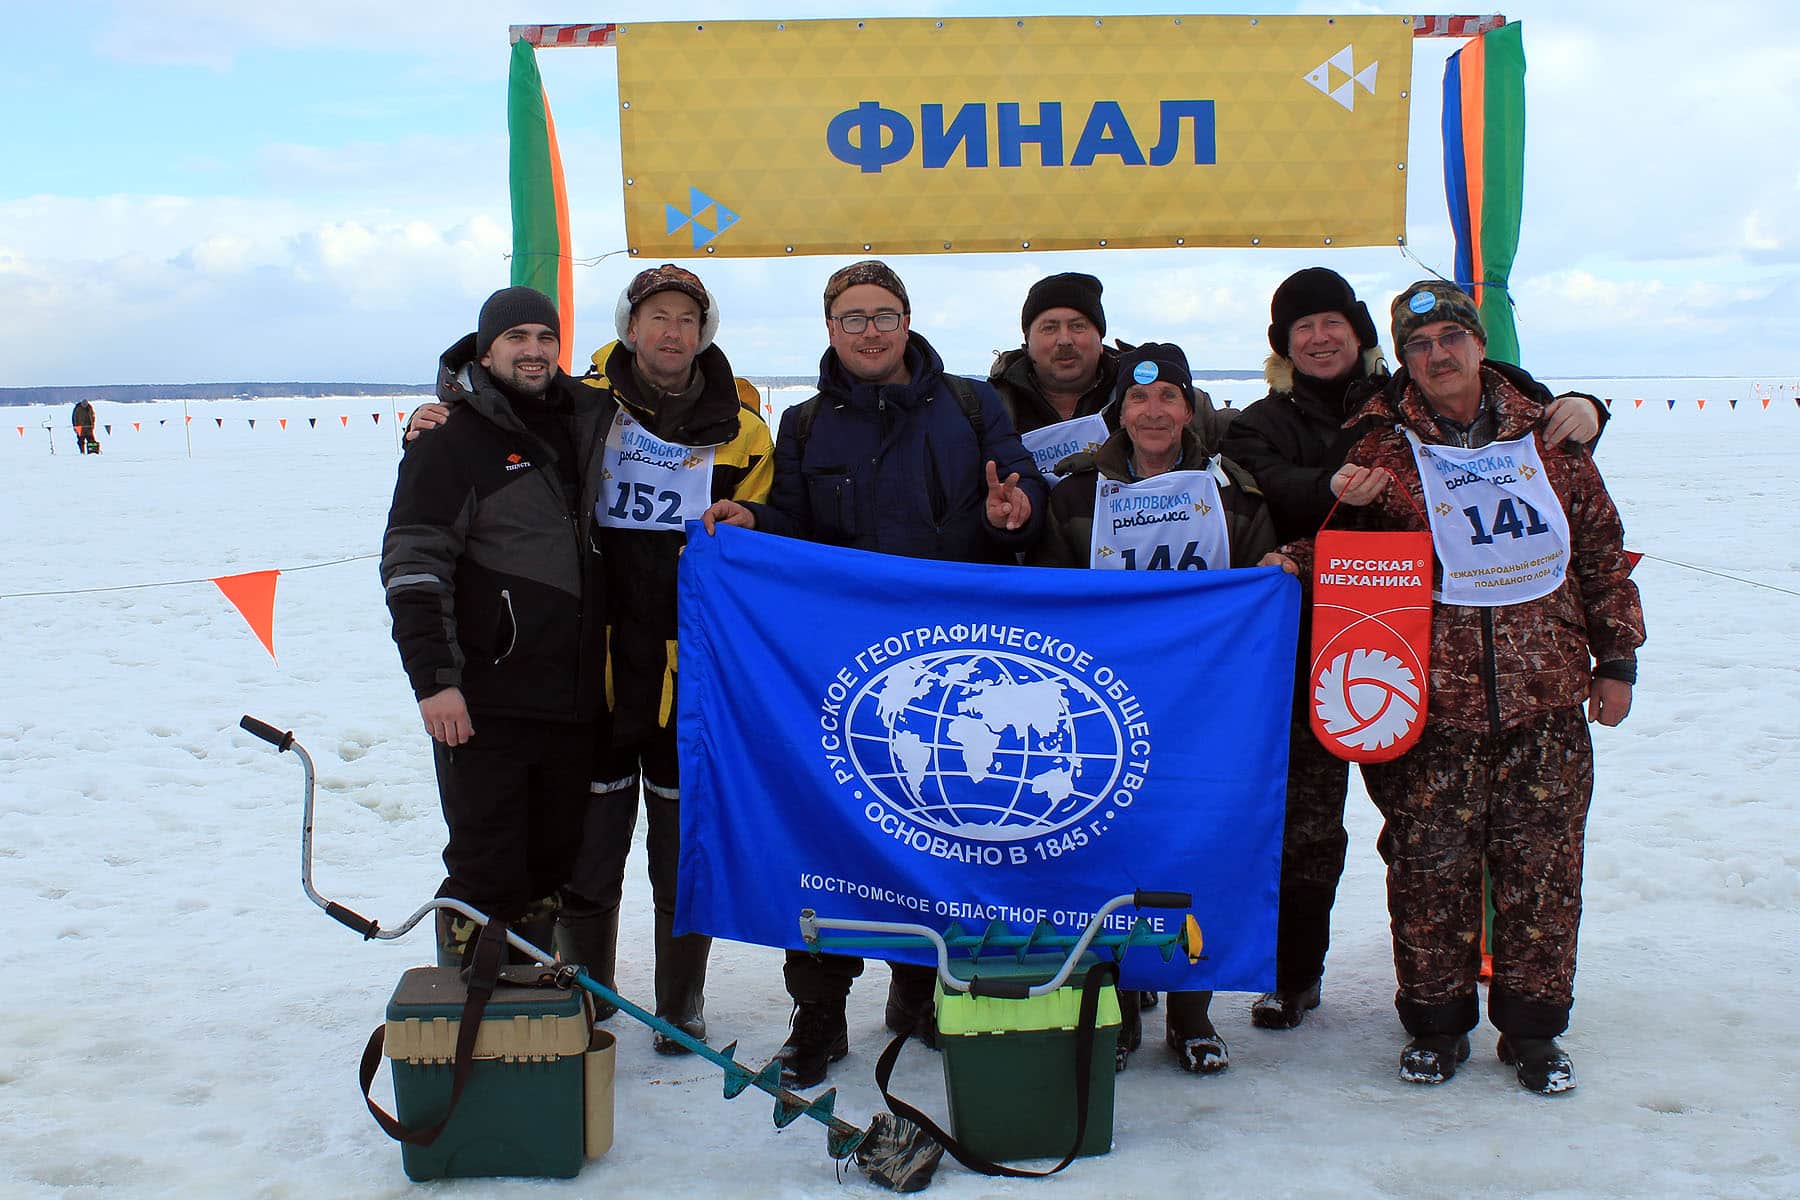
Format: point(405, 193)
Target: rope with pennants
point(251, 593)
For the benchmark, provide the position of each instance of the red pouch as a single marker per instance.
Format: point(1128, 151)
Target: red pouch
point(1371, 642)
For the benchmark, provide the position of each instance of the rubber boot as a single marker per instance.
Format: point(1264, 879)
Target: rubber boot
point(680, 983)
point(591, 938)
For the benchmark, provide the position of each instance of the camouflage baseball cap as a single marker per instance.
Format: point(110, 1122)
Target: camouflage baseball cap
point(1432, 300)
point(667, 278)
point(869, 270)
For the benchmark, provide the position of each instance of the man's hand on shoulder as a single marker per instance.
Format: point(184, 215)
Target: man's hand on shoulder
point(426, 416)
point(446, 717)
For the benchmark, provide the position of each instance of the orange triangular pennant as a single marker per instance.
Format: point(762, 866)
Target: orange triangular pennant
point(399, 416)
point(283, 421)
point(1702, 405)
point(1765, 402)
point(188, 420)
point(1634, 557)
point(21, 430)
point(253, 595)
point(1638, 403)
point(344, 421)
point(137, 427)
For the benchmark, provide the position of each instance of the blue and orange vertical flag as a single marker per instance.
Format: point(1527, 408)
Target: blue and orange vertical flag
point(542, 256)
point(1484, 173)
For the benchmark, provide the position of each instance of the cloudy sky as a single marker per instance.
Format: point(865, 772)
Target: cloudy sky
point(205, 190)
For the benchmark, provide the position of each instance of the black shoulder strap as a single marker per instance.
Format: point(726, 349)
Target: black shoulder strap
point(970, 403)
point(484, 971)
point(1097, 977)
point(803, 423)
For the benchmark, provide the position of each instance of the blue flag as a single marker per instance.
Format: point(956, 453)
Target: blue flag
point(893, 739)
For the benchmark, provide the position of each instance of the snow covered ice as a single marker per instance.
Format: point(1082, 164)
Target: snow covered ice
point(180, 1021)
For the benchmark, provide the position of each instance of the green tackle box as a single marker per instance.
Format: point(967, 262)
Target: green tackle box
point(1009, 1065)
point(522, 1111)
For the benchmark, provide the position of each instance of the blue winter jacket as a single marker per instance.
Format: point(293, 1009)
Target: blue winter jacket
point(897, 468)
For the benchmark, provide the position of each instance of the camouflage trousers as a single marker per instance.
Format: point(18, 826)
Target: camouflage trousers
point(1313, 842)
point(1520, 799)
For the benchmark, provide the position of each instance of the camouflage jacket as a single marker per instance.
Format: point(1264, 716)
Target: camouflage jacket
point(1493, 668)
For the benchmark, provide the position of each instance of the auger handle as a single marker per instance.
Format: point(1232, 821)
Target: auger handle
point(1143, 899)
point(353, 919)
point(1000, 989)
point(267, 732)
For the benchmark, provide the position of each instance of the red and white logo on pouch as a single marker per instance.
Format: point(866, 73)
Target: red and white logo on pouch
point(1366, 699)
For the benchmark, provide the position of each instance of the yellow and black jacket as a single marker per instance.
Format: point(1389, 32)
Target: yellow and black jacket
point(640, 566)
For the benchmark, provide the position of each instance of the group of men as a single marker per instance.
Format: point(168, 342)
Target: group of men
point(530, 560)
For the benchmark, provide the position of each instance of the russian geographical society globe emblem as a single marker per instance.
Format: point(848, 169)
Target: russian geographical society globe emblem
point(982, 744)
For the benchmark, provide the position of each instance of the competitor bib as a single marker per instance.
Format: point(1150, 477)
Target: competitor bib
point(1371, 642)
point(1053, 443)
point(1498, 526)
point(1170, 522)
point(647, 483)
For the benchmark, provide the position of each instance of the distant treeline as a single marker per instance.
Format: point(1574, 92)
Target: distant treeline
point(140, 393)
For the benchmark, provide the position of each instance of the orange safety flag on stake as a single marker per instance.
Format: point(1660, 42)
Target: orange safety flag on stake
point(1371, 642)
point(253, 595)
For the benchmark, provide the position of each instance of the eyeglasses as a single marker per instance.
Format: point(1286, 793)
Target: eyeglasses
point(886, 321)
point(1420, 347)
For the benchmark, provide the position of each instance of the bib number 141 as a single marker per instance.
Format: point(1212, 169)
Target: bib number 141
point(1506, 521)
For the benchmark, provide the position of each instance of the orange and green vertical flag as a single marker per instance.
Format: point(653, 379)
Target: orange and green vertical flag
point(1484, 173)
point(540, 205)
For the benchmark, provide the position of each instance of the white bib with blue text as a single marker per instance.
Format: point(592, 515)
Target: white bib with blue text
point(1170, 522)
point(1053, 443)
point(647, 483)
point(1496, 523)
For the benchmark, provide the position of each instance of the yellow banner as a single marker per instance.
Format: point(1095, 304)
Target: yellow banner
point(755, 138)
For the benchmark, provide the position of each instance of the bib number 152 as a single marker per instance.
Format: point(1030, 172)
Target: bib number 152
point(637, 503)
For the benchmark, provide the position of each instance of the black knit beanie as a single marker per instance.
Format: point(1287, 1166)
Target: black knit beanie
point(1068, 290)
point(1317, 290)
point(513, 306)
point(1152, 361)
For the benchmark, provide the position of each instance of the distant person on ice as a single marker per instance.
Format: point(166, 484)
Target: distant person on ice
point(492, 569)
point(896, 456)
point(83, 421)
point(1157, 451)
point(1534, 616)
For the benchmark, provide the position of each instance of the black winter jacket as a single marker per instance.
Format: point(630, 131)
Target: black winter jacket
point(492, 569)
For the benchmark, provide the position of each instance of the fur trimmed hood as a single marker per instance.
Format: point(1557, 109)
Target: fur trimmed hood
point(1278, 370)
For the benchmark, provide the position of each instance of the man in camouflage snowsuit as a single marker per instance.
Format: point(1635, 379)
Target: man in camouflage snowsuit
point(1504, 768)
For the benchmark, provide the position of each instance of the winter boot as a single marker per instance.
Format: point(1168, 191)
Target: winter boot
point(680, 983)
point(1146, 1000)
point(1190, 1034)
point(1284, 1010)
point(590, 937)
point(1433, 1057)
point(912, 993)
point(536, 925)
point(1131, 1028)
point(820, 1036)
point(1543, 1066)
